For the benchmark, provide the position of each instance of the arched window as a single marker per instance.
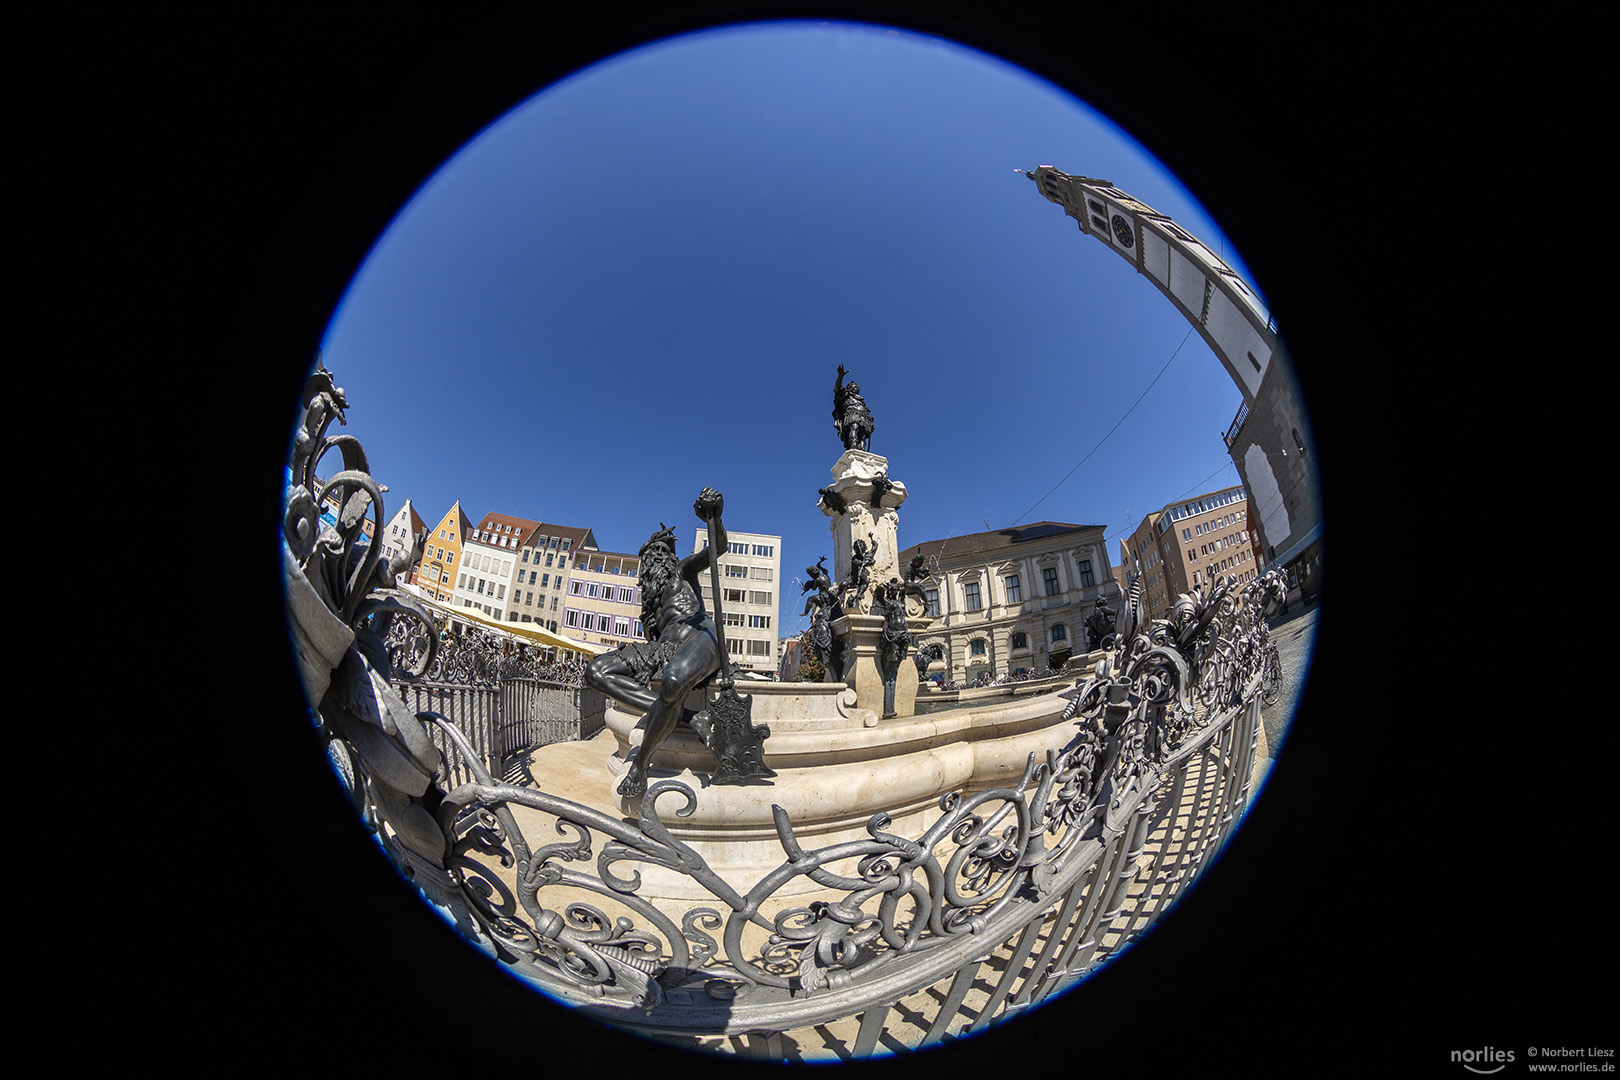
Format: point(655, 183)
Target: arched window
point(1060, 633)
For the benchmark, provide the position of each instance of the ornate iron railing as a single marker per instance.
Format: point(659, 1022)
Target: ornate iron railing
point(503, 723)
point(1009, 896)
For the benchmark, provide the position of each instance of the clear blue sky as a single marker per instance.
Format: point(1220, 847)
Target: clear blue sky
point(642, 281)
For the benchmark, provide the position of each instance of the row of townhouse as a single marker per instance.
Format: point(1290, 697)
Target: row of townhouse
point(515, 570)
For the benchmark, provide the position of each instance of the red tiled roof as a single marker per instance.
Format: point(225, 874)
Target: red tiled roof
point(992, 540)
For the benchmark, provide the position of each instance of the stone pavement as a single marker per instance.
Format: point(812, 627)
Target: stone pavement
point(1295, 636)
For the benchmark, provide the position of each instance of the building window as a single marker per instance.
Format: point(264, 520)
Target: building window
point(1014, 594)
point(1020, 641)
point(972, 591)
point(931, 606)
point(976, 647)
point(1059, 633)
point(1086, 580)
point(1051, 576)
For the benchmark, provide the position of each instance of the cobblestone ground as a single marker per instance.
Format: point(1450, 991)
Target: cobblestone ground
point(1295, 635)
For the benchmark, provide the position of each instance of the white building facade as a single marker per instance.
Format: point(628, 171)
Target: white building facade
point(487, 578)
point(750, 581)
point(405, 533)
point(1013, 600)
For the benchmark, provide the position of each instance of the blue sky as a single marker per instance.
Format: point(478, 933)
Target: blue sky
point(642, 281)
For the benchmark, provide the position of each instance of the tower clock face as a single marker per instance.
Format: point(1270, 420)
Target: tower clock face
point(1122, 230)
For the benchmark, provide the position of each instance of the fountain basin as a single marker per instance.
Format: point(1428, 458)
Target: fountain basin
point(837, 766)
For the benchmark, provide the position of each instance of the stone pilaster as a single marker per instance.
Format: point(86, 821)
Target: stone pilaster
point(863, 663)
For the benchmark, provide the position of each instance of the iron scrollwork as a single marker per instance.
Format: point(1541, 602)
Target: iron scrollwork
point(886, 901)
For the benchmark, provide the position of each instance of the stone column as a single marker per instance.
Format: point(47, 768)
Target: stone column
point(862, 516)
point(863, 663)
point(859, 510)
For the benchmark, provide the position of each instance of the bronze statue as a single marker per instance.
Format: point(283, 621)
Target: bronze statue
point(889, 600)
point(819, 642)
point(860, 561)
point(825, 603)
point(817, 579)
point(881, 486)
point(851, 418)
point(1099, 624)
point(926, 655)
point(682, 650)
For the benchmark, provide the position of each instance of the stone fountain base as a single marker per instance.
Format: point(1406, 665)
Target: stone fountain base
point(837, 766)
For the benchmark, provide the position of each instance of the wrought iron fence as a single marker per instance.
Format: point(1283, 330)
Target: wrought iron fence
point(1026, 923)
point(1007, 897)
point(504, 723)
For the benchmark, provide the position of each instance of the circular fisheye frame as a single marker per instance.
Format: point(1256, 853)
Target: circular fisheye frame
point(744, 735)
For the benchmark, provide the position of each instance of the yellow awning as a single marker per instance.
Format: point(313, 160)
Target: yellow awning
point(529, 632)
